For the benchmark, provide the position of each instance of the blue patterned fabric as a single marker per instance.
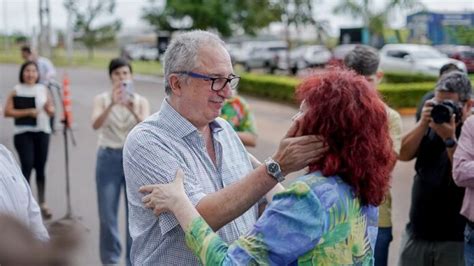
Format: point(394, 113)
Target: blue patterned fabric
point(317, 221)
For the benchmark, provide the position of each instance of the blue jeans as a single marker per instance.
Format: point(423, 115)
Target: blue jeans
point(110, 180)
point(384, 237)
point(469, 245)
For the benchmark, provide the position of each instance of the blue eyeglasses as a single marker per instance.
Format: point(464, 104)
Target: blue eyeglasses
point(217, 83)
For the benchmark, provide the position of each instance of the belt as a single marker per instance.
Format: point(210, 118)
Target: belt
point(110, 149)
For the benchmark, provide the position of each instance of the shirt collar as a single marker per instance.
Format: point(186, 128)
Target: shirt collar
point(180, 126)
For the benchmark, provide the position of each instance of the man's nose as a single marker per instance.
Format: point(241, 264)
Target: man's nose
point(226, 92)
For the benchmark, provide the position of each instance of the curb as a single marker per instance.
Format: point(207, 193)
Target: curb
point(406, 111)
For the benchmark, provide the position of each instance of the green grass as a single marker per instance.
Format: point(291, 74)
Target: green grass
point(80, 58)
point(147, 68)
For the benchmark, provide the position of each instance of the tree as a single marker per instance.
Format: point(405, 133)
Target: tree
point(253, 15)
point(227, 17)
point(374, 21)
point(462, 35)
point(299, 13)
point(91, 33)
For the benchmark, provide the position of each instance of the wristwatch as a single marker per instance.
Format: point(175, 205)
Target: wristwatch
point(450, 142)
point(274, 170)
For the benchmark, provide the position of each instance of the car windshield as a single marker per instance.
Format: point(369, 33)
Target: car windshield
point(468, 55)
point(276, 49)
point(427, 54)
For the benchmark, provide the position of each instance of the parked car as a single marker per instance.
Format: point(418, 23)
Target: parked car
point(265, 56)
point(462, 53)
point(414, 58)
point(304, 57)
point(143, 52)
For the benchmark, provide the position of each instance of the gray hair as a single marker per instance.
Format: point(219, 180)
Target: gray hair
point(182, 53)
point(457, 82)
point(363, 59)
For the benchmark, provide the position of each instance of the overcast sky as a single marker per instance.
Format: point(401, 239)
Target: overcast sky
point(22, 15)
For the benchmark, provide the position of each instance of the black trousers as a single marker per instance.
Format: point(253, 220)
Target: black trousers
point(32, 148)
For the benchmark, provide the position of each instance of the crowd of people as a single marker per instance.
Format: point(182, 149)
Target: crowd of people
point(195, 195)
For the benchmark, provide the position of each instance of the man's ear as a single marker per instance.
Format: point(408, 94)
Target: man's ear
point(379, 76)
point(467, 108)
point(469, 103)
point(175, 84)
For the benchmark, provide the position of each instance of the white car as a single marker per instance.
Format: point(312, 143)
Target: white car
point(414, 59)
point(142, 52)
point(305, 56)
point(265, 55)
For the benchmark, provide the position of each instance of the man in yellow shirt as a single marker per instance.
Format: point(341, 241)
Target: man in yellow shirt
point(365, 61)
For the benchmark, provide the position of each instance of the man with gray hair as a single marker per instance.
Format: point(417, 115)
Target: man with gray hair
point(187, 133)
point(434, 233)
point(365, 60)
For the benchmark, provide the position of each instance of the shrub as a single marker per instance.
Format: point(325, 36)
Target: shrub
point(282, 89)
point(278, 88)
point(407, 78)
point(404, 95)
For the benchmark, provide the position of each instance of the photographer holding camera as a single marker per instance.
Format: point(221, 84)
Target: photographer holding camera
point(434, 233)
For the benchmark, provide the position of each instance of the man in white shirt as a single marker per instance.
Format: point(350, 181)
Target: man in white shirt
point(15, 195)
point(46, 68)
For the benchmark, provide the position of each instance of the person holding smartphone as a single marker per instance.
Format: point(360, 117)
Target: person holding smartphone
point(114, 114)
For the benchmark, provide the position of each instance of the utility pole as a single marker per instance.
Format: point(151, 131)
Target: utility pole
point(27, 19)
point(69, 36)
point(6, 40)
point(45, 28)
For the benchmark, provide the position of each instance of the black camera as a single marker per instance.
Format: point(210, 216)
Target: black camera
point(442, 112)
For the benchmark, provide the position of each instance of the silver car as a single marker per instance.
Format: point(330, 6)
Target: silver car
point(304, 57)
point(265, 56)
point(414, 59)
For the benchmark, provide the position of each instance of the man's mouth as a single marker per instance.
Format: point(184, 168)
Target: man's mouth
point(217, 101)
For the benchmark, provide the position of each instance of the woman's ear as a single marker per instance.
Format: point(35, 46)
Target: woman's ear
point(175, 84)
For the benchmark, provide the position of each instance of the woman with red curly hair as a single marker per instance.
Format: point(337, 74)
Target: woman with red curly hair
point(326, 217)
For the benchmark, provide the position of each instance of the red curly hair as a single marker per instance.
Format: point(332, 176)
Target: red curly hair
point(348, 113)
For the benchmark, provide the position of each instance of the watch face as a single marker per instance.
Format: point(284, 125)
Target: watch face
point(273, 168)
point(450, 143)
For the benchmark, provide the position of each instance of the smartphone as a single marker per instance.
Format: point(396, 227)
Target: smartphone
point(127, 90)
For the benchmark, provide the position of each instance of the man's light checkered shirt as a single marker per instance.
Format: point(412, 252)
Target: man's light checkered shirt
point(153, 151)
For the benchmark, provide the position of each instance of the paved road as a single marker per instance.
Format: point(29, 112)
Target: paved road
point(272, 121)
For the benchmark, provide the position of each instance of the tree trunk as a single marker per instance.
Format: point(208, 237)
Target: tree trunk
point(398, 35)
point(90, 52)
point(288, 45)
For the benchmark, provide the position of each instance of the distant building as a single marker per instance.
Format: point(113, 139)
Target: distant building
point(360, 36)
point(437, 28)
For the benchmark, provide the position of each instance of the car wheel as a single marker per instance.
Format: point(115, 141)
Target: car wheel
point(247, 68)
point(294, 70)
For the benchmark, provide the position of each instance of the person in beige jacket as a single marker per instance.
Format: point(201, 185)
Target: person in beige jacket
point(115, 113)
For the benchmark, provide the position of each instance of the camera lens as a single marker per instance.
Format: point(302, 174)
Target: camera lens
point(441, 113)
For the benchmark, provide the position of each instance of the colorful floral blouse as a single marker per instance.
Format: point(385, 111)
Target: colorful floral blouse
point(236, 111)
point(317, 221)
